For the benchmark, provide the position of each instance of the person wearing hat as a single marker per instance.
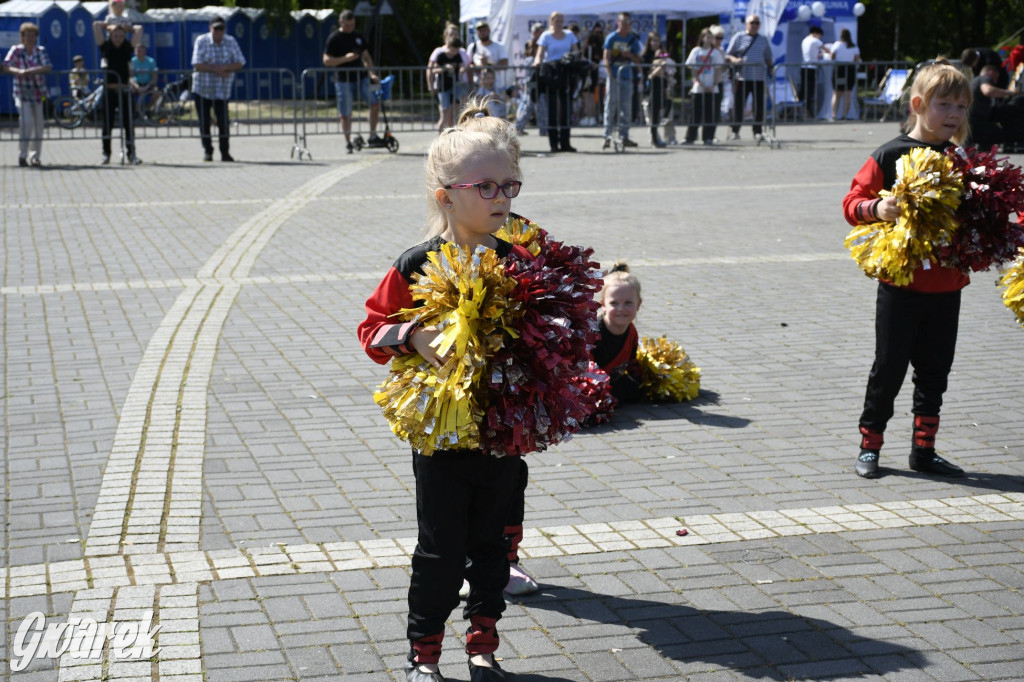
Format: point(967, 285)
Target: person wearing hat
point(484, 53)
point(78, 77)
point(215, 59)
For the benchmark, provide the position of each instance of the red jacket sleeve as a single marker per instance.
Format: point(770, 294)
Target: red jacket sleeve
point(381, 337)
point(861, 202)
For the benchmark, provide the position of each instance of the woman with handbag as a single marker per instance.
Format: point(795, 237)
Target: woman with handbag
point(707, 64)
point(554, 79)
point(446, 76)
point(658, 78)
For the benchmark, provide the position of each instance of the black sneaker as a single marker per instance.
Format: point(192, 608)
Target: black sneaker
point(375, 139)
point(626, 142)
point(867, 464)
point(927, 461)
point(348, 148)
point(227, 158)
point(414, 674)
point(208, 157)
point(607, 143)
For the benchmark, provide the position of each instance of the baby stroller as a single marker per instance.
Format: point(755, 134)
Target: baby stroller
point(382, 93)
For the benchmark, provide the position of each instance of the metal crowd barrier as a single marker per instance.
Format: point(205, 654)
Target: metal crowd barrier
point(73, 116)
point(272, 102)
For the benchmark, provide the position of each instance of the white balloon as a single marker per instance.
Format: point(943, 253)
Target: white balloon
point(859, 9)
point(803, 13)
point(818, 9)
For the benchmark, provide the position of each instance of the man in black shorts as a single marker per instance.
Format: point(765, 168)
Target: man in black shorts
point(347, 50)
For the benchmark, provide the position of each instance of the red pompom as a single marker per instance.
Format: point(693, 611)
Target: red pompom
point(533, 399)
point(993, 191)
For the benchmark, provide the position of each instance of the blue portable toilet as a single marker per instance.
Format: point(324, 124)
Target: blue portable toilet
point(237, 24)
point(264, 56)
point(308, 48)
point(169, 48)
point(79, 33)
point(53, 29)
point(328, 19)
point(287, 53)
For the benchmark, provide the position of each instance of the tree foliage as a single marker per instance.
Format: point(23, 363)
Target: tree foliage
point(937, 27)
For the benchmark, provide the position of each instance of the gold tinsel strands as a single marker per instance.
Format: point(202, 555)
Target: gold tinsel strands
point(519, 230)
point(464, 294)
point(668, 374)
point(1013, 294)
point(928, 190)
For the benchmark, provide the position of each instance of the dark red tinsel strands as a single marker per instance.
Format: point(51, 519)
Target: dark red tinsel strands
point(994, 190)
point(534, 401)
point(595, 387)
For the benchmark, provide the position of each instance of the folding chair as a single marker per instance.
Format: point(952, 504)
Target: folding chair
point(889, 92)
point(785, 105)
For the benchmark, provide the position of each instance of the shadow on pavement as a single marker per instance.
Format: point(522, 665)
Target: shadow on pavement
point(774, 645)
point(631, 416)
point(1002, 482)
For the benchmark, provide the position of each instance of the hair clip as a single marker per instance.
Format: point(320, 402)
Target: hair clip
point(480, 114)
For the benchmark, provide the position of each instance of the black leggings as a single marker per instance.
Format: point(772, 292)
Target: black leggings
point(114, 99)
point(559, 116)
point(705, 116)
point(911, 328)
point(462, 500)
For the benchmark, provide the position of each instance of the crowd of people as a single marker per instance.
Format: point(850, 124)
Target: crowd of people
point(608, 76)
point(128, 72)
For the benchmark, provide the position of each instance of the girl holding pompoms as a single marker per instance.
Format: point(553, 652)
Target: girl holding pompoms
point(915, 322)
point(462, 493)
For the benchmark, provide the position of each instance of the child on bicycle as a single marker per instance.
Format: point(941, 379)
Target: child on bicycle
point(78, 78)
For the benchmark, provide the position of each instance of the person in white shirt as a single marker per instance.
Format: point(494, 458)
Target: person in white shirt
point(813, 50)
point(484, 53)
point(707, 66)
point(844, 75)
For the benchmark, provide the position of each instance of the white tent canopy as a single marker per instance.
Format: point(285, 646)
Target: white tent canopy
point(473, 9)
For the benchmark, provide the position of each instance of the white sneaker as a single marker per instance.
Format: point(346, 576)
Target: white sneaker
point(520, 582)
point(464, 590)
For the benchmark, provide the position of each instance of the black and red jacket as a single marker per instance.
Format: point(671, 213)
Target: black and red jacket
point(616, 355)
point(860, 205)
point(380, 335)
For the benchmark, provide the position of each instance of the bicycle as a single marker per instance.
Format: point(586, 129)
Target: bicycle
point(171, 104)
point(146, 106)
point(70, 112)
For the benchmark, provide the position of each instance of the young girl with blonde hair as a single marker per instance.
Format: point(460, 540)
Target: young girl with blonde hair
point(462, 495)
point(916, 324)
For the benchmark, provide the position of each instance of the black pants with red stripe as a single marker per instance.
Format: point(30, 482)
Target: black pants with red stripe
point(462, 501)
point(911, 329)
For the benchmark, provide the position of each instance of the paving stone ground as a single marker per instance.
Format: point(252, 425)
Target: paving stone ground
point(188, 427)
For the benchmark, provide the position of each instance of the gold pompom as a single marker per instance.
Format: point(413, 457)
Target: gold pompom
point(928, 190)
point(668, 374)
point(464, 295)
point(519, 230)
point(1013, 280)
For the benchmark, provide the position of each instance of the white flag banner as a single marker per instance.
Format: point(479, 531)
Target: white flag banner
point(770, 12)
point(502, 15)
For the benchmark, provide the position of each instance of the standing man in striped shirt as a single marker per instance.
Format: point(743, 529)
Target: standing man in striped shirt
point(751, 56)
